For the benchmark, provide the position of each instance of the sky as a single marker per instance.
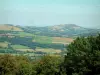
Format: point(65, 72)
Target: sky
point(85, 13)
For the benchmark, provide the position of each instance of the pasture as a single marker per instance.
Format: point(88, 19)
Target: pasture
point(42, 39)
point(19, 47)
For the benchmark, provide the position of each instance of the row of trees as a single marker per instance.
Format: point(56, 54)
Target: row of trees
point(21, 65)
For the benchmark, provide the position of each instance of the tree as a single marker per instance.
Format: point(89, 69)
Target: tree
point(48, 65)
point(83, 56)
point(8, 65)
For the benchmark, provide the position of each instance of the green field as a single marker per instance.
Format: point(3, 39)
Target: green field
point(24, 34)
point(19, 47)
point(42, 39)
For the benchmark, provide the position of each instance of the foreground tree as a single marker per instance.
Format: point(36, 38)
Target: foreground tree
point(15, 65)
point(83, 56)
point(48, 65)
point(21, 65)
point(8, 65)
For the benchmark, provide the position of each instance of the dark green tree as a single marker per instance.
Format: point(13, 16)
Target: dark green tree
point(83, 56)
point(8, 65)
point(48, 65)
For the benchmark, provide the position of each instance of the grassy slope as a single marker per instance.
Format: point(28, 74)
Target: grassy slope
point(8, 28)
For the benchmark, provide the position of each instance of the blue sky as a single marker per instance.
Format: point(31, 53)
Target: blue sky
point(84, 13)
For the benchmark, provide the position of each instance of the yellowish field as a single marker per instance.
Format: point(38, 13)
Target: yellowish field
point(55, 55)
point(7, 27)
point(62, 40)
point(49, 50)
point(25, 50)
point(3, 44)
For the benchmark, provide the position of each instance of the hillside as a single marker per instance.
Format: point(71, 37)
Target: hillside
point(63, 30)
point(37, 41)
point(8, 27)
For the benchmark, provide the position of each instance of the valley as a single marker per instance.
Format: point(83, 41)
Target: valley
point(35, 42)
point(14, 40)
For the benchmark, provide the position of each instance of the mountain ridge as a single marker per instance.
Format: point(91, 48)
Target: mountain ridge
point(62, 30)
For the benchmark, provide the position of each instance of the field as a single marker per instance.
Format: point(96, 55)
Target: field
point(48, 50)
point(19, 47)
point(42, 39)
point(25, 50)
point(62, 40)
point(9, 28)
point(45, 39)
point(27, 38)
point(24, 34)
point(3, 44)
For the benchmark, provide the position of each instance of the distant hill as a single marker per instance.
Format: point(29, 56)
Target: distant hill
point(62, 30)
point(9, 27)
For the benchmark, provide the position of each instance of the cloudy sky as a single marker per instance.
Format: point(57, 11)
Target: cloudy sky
point(84, 13)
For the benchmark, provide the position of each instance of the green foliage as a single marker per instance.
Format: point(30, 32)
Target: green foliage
point(21, 65)
point(48, 65)
point(83, 56)
point(15, 65)
point(24, 66)
point(3, 39)
point(8, 65)
point(8, 51)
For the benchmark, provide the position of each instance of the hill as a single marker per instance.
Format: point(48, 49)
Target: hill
point(8, 27)
point(63, 30)
point(36, 41)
